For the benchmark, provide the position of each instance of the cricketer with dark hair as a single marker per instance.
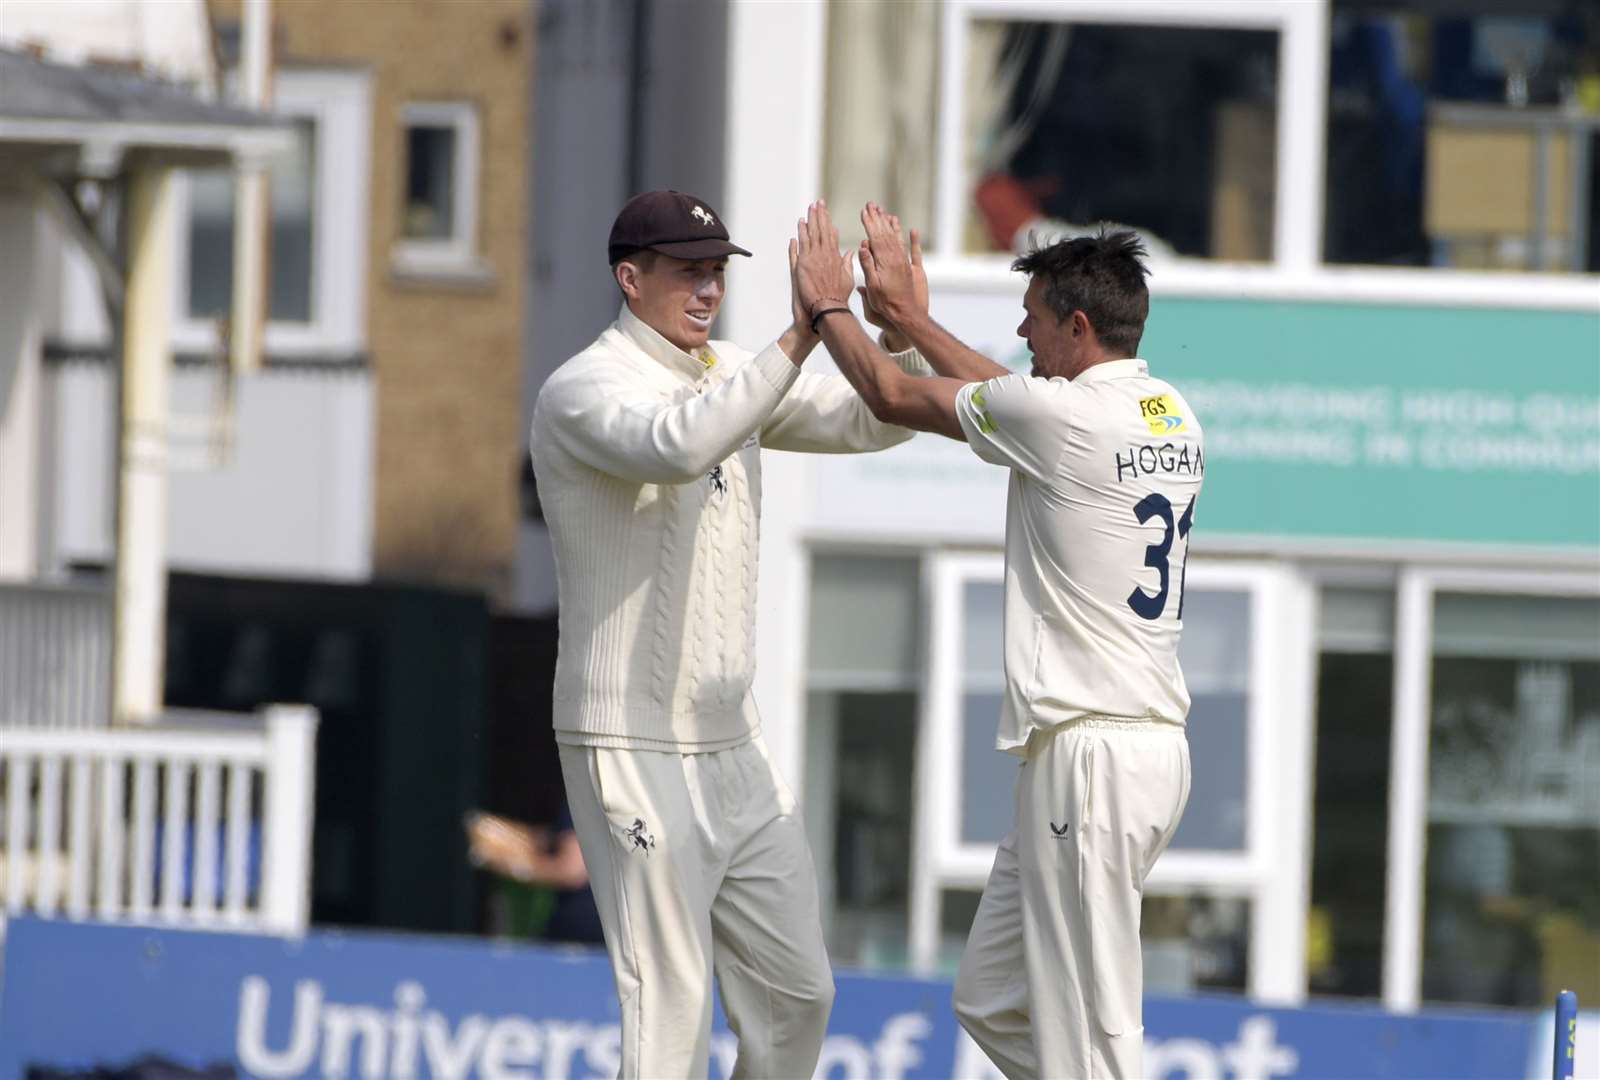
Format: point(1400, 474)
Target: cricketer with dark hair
point(1106, 465)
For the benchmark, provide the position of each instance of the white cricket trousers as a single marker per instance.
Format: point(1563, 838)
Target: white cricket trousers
point(1051, 983)
point(699, 865)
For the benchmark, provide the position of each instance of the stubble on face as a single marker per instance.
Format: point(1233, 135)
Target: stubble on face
point(1048, 337)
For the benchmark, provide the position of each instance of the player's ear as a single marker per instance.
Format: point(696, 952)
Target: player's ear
point(627, 275)
point(1080, 324)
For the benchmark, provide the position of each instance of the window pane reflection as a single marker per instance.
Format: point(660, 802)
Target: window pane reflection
point(1512, 909)
point(988, 777)
point(1168, 130)
point(291, 179)
point(1463, 135)
point(1215, 654)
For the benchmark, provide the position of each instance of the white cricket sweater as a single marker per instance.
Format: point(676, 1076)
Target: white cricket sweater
point(649, 469)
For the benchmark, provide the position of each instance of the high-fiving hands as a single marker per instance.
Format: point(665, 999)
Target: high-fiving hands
point(897, 286)
point(822, 278)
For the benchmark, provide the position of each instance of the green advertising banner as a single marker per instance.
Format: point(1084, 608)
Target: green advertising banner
point(1337, 426)
point(1390, 423)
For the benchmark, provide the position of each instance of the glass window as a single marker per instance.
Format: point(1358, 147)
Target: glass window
point(430, 181)
point(988, 777)
point(1169, 130)
point(438, 213)
point(873, 743)
point(861, 747)
point(292, 193)
point(865, 622)
point(1463, 135)
point(1216, 664)
point(1195, 941)
point(1512, 903)
point(1215, 654)
point(1349, 845)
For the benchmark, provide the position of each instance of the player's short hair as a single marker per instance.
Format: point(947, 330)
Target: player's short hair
point(643, 258)
point(1101, 276)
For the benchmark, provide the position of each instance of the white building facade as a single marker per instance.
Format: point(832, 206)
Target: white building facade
point(1393, 610)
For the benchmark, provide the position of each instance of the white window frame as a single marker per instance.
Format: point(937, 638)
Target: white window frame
point(338, 101)
point(1273, 871)
point(1296, 270)
point(457, 254)
point(1404, 897)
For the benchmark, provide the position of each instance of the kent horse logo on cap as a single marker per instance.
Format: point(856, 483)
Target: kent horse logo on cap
point(703, 215)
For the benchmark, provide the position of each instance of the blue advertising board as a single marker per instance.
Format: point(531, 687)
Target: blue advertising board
point(78, 997)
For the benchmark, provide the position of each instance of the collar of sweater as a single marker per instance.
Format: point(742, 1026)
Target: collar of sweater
point(691, 368)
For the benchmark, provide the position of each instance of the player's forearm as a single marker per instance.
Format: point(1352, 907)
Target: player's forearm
point(797, 343)
point(945, 353)
point(867, 367)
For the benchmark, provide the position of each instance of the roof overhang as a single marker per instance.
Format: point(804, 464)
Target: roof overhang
point(104, 147)
point(88, 120)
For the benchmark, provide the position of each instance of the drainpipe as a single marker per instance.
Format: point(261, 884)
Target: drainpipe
point(248, 313)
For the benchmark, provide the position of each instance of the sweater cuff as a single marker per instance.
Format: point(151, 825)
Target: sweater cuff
point(912, 362)
point(779, 371)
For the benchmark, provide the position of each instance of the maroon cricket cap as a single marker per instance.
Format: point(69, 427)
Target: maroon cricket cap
point(672, 223)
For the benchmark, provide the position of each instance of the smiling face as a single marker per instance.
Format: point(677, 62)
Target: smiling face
point(677, 298)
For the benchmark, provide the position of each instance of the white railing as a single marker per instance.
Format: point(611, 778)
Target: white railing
point(55, 656)
point(179, 825)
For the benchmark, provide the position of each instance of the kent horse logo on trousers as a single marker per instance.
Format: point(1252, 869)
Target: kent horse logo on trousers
point(642, 840)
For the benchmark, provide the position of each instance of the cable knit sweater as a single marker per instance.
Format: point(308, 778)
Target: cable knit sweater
point(649, 469)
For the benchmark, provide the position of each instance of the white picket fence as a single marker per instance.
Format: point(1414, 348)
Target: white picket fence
point(197, 826)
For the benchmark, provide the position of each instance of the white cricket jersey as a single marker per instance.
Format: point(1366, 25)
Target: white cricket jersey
point(1105, 472)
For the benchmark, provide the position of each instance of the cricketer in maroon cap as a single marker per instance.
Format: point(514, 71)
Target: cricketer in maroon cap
point(647, 448)
point(669, 252)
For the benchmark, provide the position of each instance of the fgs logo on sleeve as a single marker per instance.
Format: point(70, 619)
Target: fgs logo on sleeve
point(1161, 413)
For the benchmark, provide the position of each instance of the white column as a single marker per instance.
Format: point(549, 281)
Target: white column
point(1302, 134)
point(141, 582)
point(1285, 641)
point(773, 154)
point(288, 817)
point(21, 403)
point(1408, 793)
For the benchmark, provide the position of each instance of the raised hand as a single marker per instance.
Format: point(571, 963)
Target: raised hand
point(897, 285)
point(821, 277)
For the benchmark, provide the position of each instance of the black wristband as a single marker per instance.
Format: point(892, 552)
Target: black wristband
point(825, 311)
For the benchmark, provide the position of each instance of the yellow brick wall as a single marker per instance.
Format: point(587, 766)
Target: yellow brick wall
point(446, 359)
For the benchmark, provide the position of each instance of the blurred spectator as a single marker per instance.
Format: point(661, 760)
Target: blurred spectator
point(546, 857)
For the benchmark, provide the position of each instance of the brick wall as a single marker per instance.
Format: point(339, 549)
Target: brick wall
point(446, 357)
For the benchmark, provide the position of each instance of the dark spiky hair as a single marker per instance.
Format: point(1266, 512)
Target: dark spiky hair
point(1101, 276)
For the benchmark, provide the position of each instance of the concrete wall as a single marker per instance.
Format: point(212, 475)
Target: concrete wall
point(19, 389)
point(286, 497)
